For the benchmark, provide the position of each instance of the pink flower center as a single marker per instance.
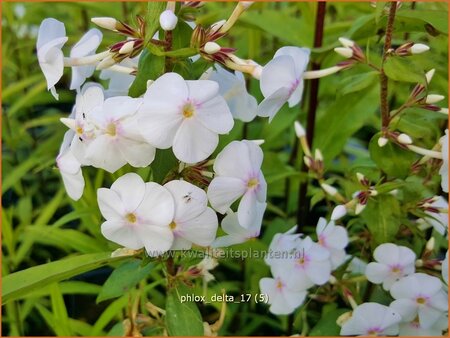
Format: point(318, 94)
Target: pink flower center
point(374, 331)
point(294, 86)
point(303, 261)
point(397, 269)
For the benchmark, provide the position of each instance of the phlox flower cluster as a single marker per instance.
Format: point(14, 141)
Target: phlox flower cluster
point(302, 264)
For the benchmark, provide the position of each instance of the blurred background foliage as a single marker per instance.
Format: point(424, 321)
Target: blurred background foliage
point(41, 224)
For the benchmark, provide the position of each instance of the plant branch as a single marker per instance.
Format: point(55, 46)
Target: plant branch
point(384, 107)
point(303, 202)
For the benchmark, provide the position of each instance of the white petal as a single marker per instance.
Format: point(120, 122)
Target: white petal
point(50, 29)
point(157, 206)
point(121, 106)
point(200, 230)
point(51, 61)
point(296, 95)
point(156, 240)
point(428, 316)
point(215, 115)
point(121, 233)
point(273, 103)
point(299, 55)
point(159, 129)
point(247, 209)
point(110, 204)
point(376, 272)
point(319, 272)
point(91, 97)
point(387, 253)
point(228, 240)
point(223, 191)
point(74, 184)
point(407, 308)
point(193, 142)
point(102, 153)
point(239, 159)
point(201, 91)
point(190, 201)
point(88, 43)
point(137, 154)
point(230, 224)
point(279, 73)
point(131, 190)
point(179, 243)
point(170, 87)
point(67, 162)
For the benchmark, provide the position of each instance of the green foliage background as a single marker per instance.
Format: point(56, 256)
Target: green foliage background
point(41, 224)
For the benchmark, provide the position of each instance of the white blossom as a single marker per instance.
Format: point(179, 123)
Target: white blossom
point(444, 267)
point(438, 218)
point(185, 115)
point(137, 214)
point(193, 221)
point(392, 263)
point(444, 168)
point(334, 238)
point(238, 174)
point(282, 80)
point(372, 319)
point(420, 295)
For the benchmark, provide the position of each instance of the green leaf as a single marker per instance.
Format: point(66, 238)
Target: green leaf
point(163, 163)
point(124, 278)
point(391, 159)
point(19, 283)
point(358, 82)
point(154, 9)
point(150, 67)
point(437, 19)
point(382, 216)
point(326, 326)
point(182, 318)
point(403, 69)
point(61, 322)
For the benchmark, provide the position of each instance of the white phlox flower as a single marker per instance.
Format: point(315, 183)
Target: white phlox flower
point(51, 39)
point(193, 221)
point(283, 299)
point(443, 171)
point(309, 265)
point(87, 45)
point(372, 319)
point(236, 233)
point(137, 214)
point(413, 328)
point(392, 263)
point(282, 80)
point(282, 246)
point(117, 138)
point(185, 115)
point(232, 87)
point(334, 238)
point(420, 295)
point(238, 174)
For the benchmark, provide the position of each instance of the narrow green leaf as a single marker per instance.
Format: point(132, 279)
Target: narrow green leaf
point(61, 322)
point(163, 163)
point(123, 279)
point(19, 283)
point(154, 9)
point(326, 326)
point(358, 82)
point(182, 318)
point(403, 69)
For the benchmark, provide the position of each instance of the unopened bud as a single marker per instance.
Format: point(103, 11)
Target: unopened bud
point(106, 63)
point(127, 47)
point(373, 192)
point(429, 75)
point(344, 318)
point(361, 178)
point(211, 48)
point(382, 141)
point(444, 111)
point(346, 42)
point(338, 212)
point(433, 98)
point(216, 26)
point(299, 130)
point(168, 20)
point(419, 48)
point(318, 155)
point(404, 139)
point(105, 22)
point(430, 244)
point(359, 208)
point(246, 4)
point(330, 190)
point(307, 161)
point(419, 263)
point(258, 142)
point(344, 51)
point(332, 280)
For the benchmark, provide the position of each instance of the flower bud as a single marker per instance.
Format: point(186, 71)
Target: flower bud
point(361, 178)
point(216, 26)
point(105, 22)
point(404, 139)
point(318, 155)
point(433, 98)
point(127, 47)
point(382, 141)
point(444, 111)
point(344, 51)
point(419, 48)
point(338, 212)
point(359, 208)
point(258, 142)
point(330, 190)
point(346, 42)
point(299, 130)
point(246, 4)
point(106, 63)
point(211, 48)
point(168, 20)
point(307, 161)
point(430, 244)
point(373, 192)
point(429, 75)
